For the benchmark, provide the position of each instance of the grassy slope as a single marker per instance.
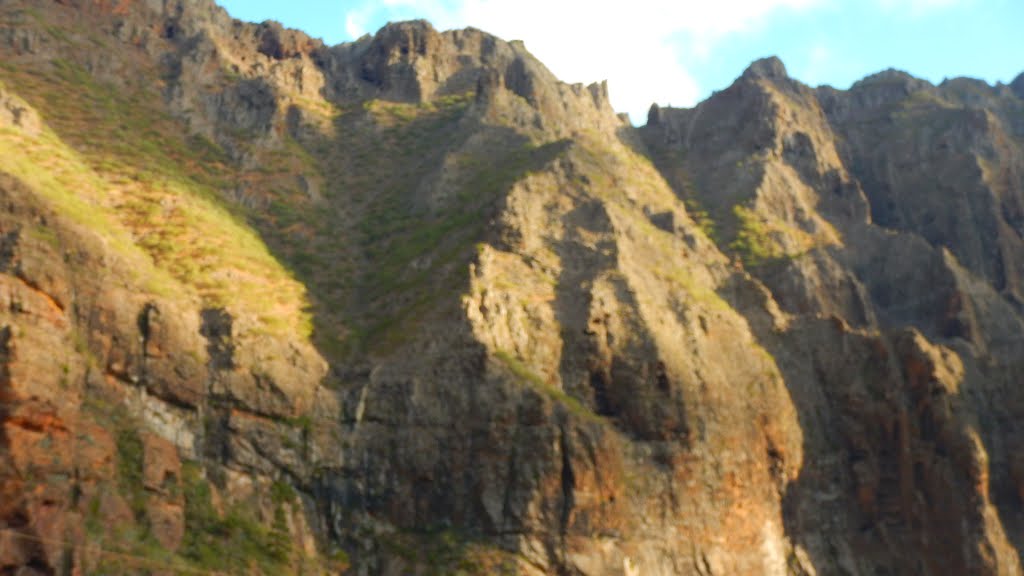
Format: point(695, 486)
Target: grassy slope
point(110, 159)
point(375, 257)
point(422, 182)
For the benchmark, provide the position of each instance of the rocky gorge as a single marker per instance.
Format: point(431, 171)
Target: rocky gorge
point(411, 305)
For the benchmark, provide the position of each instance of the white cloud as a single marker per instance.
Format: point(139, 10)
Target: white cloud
point(640, 47)
point(818, 60)
point(354, 25)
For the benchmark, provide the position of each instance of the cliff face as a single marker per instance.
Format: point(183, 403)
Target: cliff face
point(412, 305)
point(855, 210)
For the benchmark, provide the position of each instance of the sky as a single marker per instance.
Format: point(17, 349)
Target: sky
point(678, 52)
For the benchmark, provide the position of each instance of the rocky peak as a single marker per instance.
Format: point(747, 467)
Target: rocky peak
point(654, 115)
point(406, 40)
point(1018, 86)
point(891, 76)
point(770, 68)
point(582, 348)
point(397, 61)
point(412, 62)
point(875, 96)
point(888, 87)
point(279, 43)
point(182, 19)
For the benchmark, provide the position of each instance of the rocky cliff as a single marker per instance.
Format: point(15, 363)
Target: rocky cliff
point(410, 305)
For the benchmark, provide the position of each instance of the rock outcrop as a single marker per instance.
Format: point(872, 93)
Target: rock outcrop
point(813, 207)
point(410, 305)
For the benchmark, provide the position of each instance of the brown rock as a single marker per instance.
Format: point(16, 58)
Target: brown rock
point(166, 522)
point(776, 333)
point(161, 472)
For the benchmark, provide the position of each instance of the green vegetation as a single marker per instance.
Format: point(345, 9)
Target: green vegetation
point(401, 114)
point(375, 166)
point(447, 553)
point(702, 219)
point(44, 234)
point(526, 376)
point(128, 548)
point(112, 161)
point(235, 542)
point(282, 493)
point(396, 237)
point(144, 557)
point(755, 237)
point(746, 233)
point(412, 247)
point(129, 467)
point(228, 538)
point(753, 243)
point(675, 275)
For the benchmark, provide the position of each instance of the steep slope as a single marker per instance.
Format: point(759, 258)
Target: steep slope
point(478, 248)
point(903, 350)
point(412, 305)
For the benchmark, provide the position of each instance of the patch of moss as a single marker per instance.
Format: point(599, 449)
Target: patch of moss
point(235, 542)
point(130, 455)
point(753, 243)
point(702, 218)
point(94, 524)
point(672, 273)
point(283, 493)
point(338, 561)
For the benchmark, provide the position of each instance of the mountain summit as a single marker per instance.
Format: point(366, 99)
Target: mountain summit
point(411, 305)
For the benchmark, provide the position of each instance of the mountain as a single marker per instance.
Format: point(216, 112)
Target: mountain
point(410, 305)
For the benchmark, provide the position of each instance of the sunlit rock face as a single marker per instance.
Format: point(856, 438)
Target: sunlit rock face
point(410, 305)
point(853, 209)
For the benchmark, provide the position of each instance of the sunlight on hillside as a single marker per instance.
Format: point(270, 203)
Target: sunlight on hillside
point(112, 163)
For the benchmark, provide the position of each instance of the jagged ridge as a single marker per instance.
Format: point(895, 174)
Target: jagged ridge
point(501, 328)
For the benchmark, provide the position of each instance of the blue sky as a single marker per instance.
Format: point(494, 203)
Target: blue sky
point(678, 52)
